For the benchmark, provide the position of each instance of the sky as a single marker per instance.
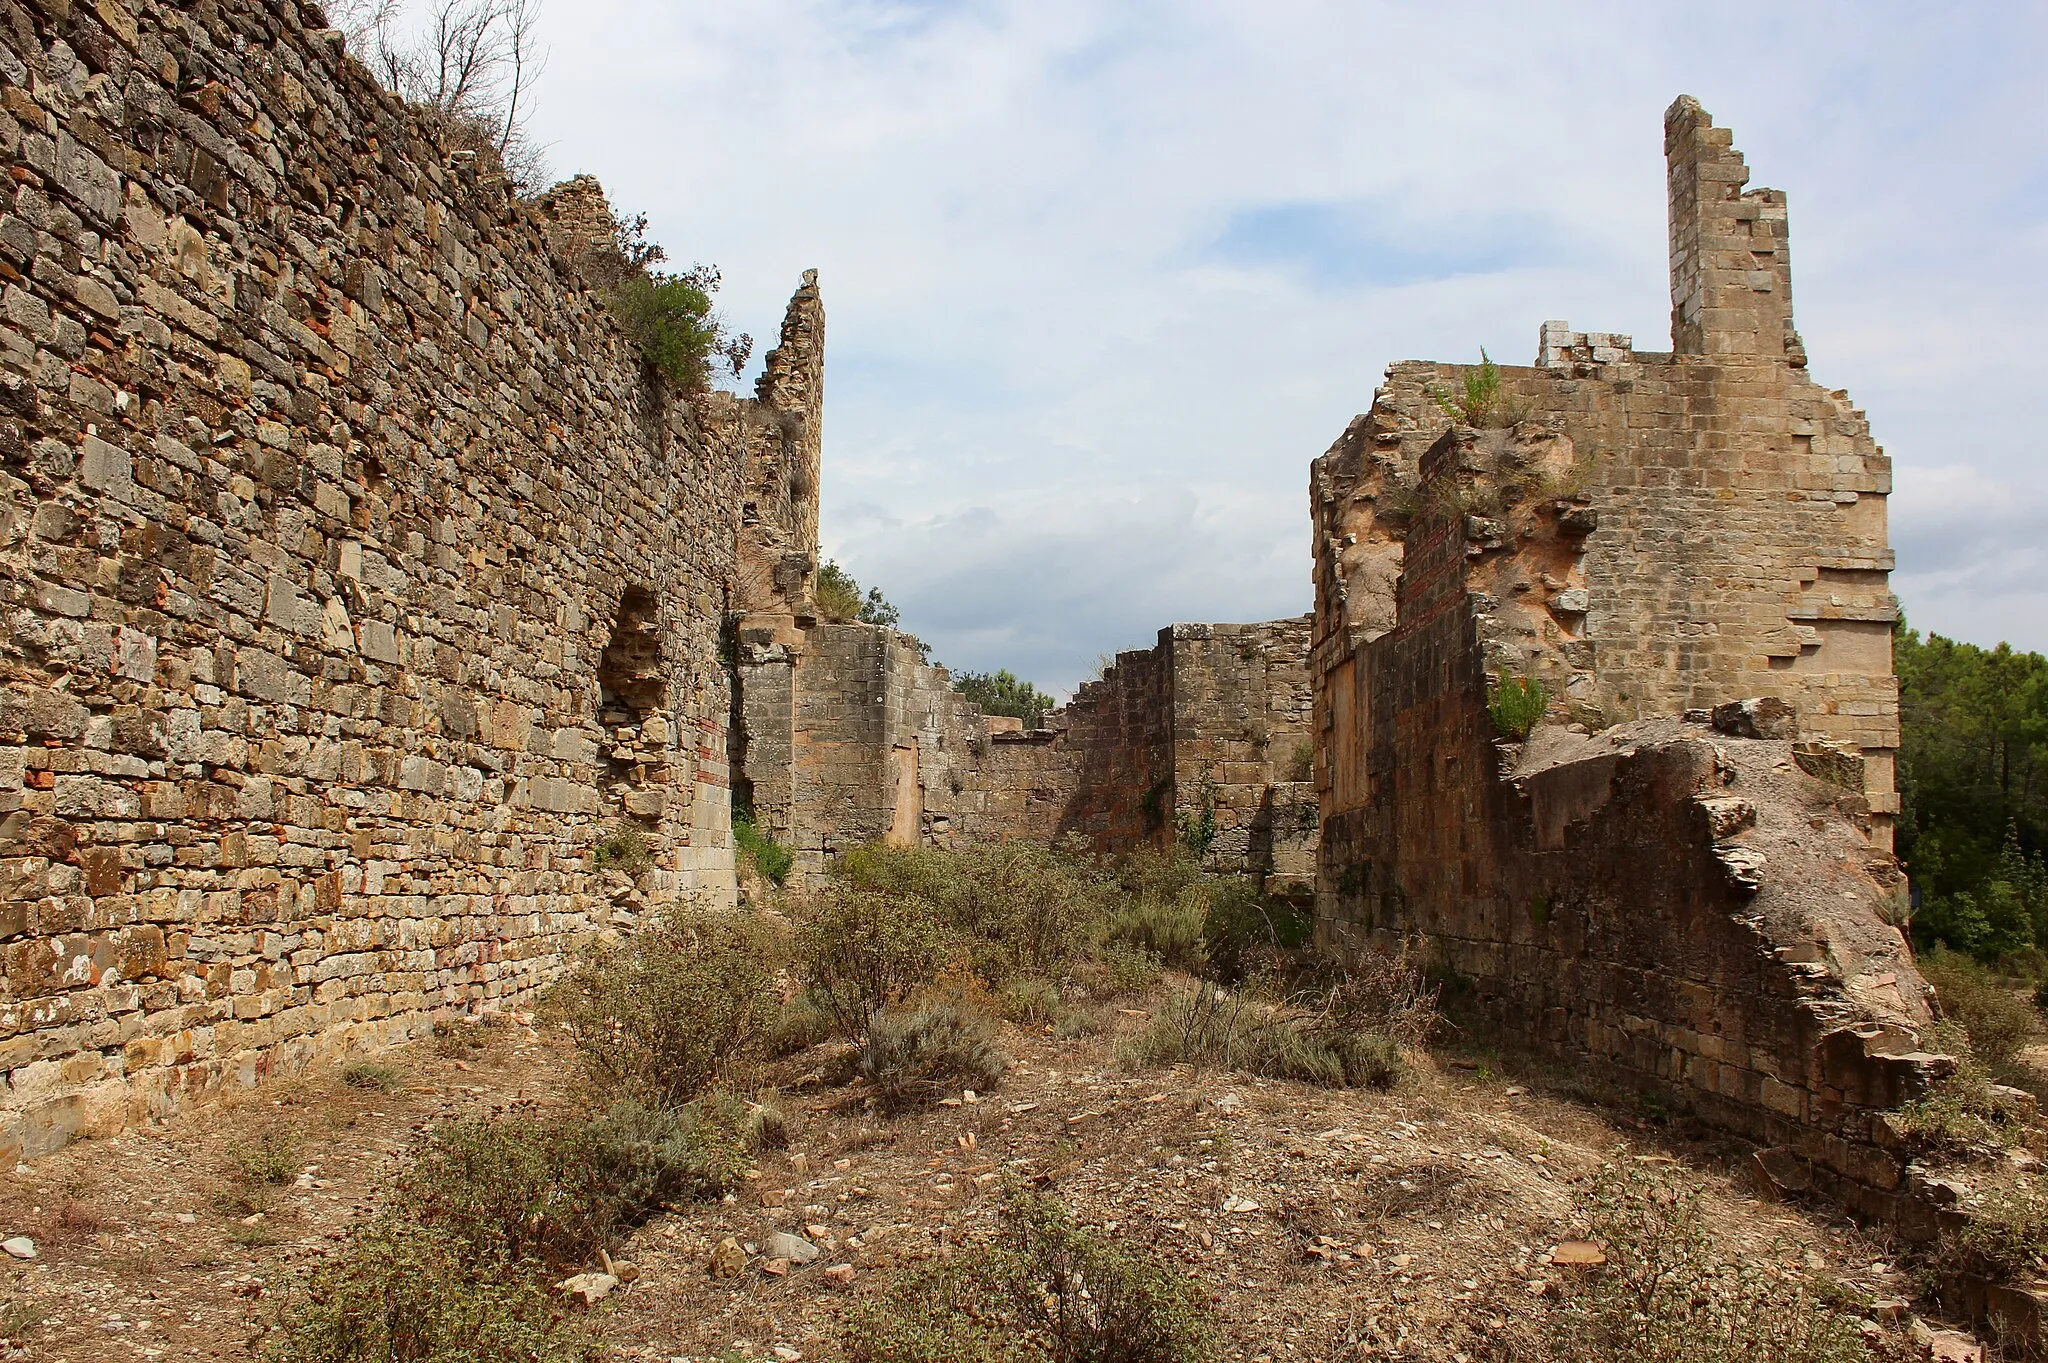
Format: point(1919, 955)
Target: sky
point(1102, 278)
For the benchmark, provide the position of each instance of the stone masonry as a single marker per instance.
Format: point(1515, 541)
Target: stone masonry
point(1697, 535)
point(356, 574)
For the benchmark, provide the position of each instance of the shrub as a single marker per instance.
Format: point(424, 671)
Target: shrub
point(368, 1074)
point(1965, 1114)
point(1024, 910)
point(677, 1007)
point(1301, 762)
point(1047, 1289)
point(861, 950)
point(769, 857)
point(485, 1213)
point(1997, 1019)
point(669, 317)
point(1216, 1028)
point(916, 1056)
point(552, 1193)
point(1163, 908)
point(270, 1157)
point(801, 1023)
point(1479, 401)
point(2005, 1237)
point(1031, 1000)
point(1665, 1296)
point(407, 1294)
point(1241, 927)
point(1516, 705)
point(623, 848)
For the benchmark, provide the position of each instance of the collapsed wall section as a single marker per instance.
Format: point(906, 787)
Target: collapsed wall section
point(1639, 536)
point(357, 576)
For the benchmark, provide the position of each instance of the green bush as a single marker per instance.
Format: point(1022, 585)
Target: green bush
point(1516, 705)
point(769, 857)
point(1003, 693)
point(1665, 1295)
point(623, 848)
point(1163, 907)
point(1243, 929)
point(861, 950)
point(674, 1009)
point(1046, 1289)
point(669, 317)
point(1023, 910)
point(1966, 1113)
point(551, 1193)
point(485, 1213)
point(407, 1294)
point(917, 1056)
point(800, 1023)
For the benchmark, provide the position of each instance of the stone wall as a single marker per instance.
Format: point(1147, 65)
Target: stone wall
point(1207, 734)
point(356, 576)
point(1206, 737)
point(1646, 535)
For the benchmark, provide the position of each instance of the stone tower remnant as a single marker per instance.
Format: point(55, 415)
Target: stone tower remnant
point(1683, 874)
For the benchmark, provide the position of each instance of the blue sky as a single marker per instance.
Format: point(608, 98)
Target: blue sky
point(1102, 278)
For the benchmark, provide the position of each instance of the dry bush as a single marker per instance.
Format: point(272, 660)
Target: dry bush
point(1221, 1029)
point(2006, 1235)
point(485, 1213)
point(1965, 1116)
point(1047, 1289)
point(1997, 1019)
point(370, 1074)
point(917, 1056)
point(860, 950)
point(270, 1156)
point(1666, 1295)
point(677, 1008)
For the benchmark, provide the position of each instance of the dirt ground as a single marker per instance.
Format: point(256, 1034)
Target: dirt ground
point(1329, 1225)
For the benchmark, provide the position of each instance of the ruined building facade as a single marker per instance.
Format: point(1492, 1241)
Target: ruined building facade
point(1706, 908)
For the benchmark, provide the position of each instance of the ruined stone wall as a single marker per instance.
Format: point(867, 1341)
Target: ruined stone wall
point(1682, 909)
point(1206, 737)
point(355, 575)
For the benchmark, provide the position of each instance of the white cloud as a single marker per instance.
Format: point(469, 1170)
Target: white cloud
point(1085, 416)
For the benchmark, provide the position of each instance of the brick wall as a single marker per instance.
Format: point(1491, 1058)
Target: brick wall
point(355, 578)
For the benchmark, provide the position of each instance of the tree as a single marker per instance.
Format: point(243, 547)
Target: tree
point(1002, 693)
point(471, 63)
point(1973, 779)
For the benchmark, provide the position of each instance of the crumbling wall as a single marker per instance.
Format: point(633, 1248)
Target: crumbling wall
point(1206, 738)
point(356, 575)
point(1645, 535)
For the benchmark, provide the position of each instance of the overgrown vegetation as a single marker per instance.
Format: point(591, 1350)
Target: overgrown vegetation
point(1346, 1025)
point(913, 1056)
point(1045, 1289)
point(1666, 1294)
point(1003, 693)
point(676, 1009)
point(371, 1074)
point(1478, 400)
point(1995, 1016)
point(625, 849)
point(1973, 778)
point(768, 857)
point(2005, 1237)
point(1516, 705)
point(485, 1214)
point(1966, 1115)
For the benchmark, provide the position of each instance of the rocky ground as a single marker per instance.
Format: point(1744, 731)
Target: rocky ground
point(1328, 1225)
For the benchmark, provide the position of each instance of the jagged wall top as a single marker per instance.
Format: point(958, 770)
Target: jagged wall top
point(1731, 260)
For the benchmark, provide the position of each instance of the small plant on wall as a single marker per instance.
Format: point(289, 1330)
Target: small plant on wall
point(1516, 705)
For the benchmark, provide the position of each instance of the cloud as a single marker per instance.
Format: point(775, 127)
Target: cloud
point(1102, 279)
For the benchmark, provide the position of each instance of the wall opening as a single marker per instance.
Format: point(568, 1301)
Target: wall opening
point(632, 695)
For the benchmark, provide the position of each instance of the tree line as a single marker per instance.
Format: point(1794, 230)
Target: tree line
point(1973, 778)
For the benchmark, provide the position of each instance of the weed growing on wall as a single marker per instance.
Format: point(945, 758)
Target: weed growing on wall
point(767, 856)
point(623, 848)
point(1516, 705)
